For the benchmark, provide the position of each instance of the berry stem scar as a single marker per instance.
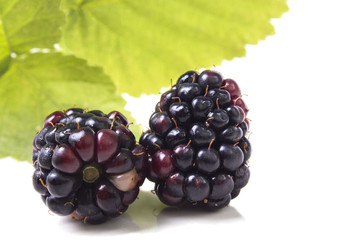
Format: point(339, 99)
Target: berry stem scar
point(206, 90)
point(210, 118)
point(187, 145)
point(212, 140)
point(236, 99)
point(225, 86)
point(157, 145)
point(138, 154)
point(35, 162)
point(177, 98)
point(112, 123)
point(42, 183)
point(67, 203)
point(173, 119)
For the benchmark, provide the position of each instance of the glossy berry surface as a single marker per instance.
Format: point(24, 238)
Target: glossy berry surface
point(87, 164)
point(197, 142)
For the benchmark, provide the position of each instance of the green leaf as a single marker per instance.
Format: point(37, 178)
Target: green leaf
point(4, 51)
point(39, 84)
point(27, 24)
point(142, 44)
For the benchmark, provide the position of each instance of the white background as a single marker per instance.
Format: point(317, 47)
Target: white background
point(303, 93)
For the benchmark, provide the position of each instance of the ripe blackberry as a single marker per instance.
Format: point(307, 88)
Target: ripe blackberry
point(87, 164)
point(197, 142)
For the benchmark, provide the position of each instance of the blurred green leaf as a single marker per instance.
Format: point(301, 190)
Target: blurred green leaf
point(142, 44)
point(4, 51)
point(28, 24)
point(36, 85)
point(112, 47)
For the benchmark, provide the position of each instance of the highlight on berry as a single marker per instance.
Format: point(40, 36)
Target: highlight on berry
point(88, 165)
point(197, 142)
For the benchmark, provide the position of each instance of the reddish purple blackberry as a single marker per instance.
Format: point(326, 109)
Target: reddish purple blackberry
point(87, 164)
point(197, 142)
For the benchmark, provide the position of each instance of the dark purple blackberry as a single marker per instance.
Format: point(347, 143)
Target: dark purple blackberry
point(181, 112)
point(197, 142)
point(151, 141)
point(187, 91)
point(161, 123)
point(118, 117)
point(201, 107)
point(87, 164)
point(183, 156)
point(188, 77)
point(167, 99)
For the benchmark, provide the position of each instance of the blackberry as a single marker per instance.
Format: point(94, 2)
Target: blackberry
point(87, 164)
point(197, 142)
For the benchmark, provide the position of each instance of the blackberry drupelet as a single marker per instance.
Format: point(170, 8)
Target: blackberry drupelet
point(197, 142)
point(87, 164)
